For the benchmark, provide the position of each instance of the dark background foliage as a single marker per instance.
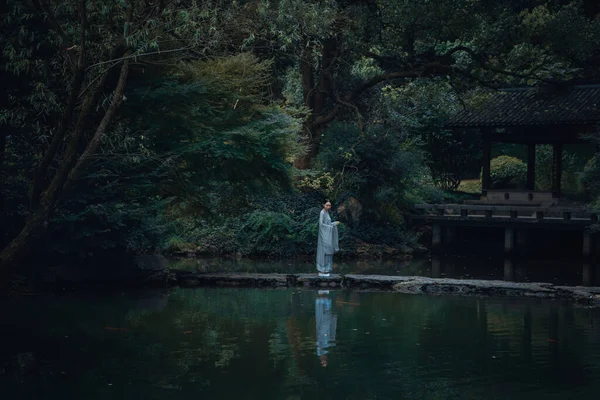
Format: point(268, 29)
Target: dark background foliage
point(238, 119)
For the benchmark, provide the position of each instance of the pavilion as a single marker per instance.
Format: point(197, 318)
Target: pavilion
point(554, 115)
point(531, 116)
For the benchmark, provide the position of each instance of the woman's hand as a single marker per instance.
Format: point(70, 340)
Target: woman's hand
point(336, 223)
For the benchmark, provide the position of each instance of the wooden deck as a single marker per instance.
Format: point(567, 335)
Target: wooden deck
point(509, 217)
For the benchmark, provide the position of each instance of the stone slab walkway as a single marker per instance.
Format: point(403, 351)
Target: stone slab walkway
point(589, 296)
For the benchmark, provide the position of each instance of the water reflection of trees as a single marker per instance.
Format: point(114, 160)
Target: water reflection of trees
point(418, 344)
point(261, 343)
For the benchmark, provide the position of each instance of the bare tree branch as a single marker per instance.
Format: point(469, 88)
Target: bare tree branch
point(92, 146)
point(137, 55)
point(351, 106)
point(57, 139)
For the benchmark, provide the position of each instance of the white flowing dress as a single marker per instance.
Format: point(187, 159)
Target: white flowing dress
point(326, 325)
point(328, 243)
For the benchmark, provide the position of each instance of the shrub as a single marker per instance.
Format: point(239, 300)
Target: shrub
point(470, 186)
point(543, 170)
point(318, 181)
point(507, 172)
point(376, 165)
point(590, 177)
point(268, 233)
point(452, 155)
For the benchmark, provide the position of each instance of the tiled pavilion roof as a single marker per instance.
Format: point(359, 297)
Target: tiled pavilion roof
point(575, 105)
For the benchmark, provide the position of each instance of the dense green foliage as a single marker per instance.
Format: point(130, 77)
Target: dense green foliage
point(373, 165)
point(507, 173)
point(279, 225)
point(590, 180)
point(573, 164)
point(221, 127)
point(193, 155)
point(574, 159)
point(591, 177)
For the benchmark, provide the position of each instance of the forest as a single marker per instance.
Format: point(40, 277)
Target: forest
point(221, 127)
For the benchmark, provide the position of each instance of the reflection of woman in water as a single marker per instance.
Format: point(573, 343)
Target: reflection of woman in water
point(328, 241)
point(326, 325)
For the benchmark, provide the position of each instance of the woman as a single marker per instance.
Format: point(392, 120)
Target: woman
point(328, 241)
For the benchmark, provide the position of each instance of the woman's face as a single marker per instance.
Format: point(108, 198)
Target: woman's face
point(327, 206)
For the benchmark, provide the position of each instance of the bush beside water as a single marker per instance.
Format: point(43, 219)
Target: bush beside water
point(507, 173)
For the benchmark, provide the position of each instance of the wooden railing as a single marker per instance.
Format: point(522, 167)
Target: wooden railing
point(510, 212)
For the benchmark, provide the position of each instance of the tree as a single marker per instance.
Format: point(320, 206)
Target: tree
point(212, 124)
point(470, 44)
point(68, 64)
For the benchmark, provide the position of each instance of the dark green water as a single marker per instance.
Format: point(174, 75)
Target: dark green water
point(262, 344)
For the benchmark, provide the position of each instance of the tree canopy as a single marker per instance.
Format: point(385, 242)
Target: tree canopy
point(181, 109)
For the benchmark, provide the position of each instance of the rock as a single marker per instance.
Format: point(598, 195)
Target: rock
point(375, 251)
point(189, 282)
point(406, 249)
point(151, 262)
point(390, 252)
point(420, 249)
point(350, 211)
point(25, 361)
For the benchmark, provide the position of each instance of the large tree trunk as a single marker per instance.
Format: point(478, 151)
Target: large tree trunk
point(37, 222)
point(308, 83)
point(78, 77)
point(315, 99)
point(42, 169)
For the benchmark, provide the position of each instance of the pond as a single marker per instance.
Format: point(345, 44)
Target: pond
point(221, 343)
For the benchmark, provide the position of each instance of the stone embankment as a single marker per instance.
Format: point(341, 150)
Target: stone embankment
point(589, 296)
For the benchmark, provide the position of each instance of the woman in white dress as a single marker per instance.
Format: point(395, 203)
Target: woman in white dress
point(328, 241)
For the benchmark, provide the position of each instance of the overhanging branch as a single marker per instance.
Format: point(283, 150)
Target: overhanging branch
point(442, 65)
point(57, 139)
point(94, 143)
point(484, 65)
point(428, 69)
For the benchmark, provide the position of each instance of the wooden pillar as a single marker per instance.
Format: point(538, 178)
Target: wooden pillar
point(509, 240)
point(587, 244)
point(487, 158)
point(509, 270)
point(531, 166)
point(522, 239)
point(556, 169)
point(520, 273)
point(436, 236)
point(436, 267)
point(449, 234)
point(586, 275)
